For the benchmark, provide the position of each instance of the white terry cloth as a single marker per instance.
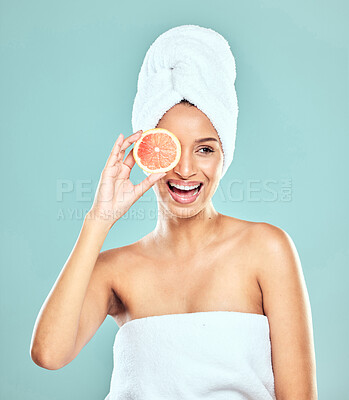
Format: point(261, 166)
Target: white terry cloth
point(195, 63)
point(213, 355)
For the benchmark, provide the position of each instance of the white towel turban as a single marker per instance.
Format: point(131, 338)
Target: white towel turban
point(194, 63)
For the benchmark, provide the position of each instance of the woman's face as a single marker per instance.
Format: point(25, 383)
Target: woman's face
point(201, 162)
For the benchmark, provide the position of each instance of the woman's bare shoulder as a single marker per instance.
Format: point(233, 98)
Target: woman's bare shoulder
point(126, 255)
point(115, 253)
point(261, 238)
point(258, 228)
point(270, 237)
point(237, 226)
point(274, 249)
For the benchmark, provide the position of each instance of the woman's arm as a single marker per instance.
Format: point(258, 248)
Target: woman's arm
point(82, 297)
point(56, 327)
point(286, 304)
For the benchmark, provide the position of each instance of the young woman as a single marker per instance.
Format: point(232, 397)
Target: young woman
point(208, 305)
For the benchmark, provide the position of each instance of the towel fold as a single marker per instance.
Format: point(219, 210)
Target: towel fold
point(194, 63)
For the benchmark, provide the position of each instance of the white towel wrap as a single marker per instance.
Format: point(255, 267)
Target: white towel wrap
point(213, 355)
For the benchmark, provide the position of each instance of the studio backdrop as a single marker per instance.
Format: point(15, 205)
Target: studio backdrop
point(68, 78)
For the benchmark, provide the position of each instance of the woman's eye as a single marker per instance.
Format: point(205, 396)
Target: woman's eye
point(208, 149)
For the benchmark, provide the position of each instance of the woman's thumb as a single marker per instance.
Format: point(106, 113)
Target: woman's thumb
point(147, 183)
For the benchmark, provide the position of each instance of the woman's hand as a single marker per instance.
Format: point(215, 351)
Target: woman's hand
point(115, 193)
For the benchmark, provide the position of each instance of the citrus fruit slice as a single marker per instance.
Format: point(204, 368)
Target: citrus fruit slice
point(157, 150)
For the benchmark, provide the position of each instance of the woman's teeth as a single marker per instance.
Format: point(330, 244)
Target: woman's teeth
point(185, 191)
point(184, 187)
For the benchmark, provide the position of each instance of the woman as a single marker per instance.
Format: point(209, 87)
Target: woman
point(208, 305)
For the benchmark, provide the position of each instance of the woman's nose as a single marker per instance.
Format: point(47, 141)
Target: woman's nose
point(186, 166)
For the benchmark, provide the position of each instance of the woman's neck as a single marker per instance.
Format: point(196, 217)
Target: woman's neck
point(179, 236)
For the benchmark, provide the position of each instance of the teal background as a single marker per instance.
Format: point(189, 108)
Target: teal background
point(68, 75)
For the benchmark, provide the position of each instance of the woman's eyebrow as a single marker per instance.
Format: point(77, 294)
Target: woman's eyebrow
point(206, 140)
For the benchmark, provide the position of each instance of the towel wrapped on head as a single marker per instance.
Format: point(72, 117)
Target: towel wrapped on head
point(193, 63)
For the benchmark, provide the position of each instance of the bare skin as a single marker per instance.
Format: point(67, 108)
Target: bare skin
point(212, 278)
point(196, 259)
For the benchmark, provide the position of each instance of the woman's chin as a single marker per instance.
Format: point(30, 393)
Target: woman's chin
point(179, 210)
point(183, 212)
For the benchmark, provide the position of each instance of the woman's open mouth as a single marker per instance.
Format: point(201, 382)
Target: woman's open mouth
point(184, 194)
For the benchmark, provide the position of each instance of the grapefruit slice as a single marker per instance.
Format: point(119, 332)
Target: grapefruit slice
point(157, 150)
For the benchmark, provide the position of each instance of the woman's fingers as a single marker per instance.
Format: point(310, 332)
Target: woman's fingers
point(147, 183)
point(120, 146)
point(128, 141)
point(115, 151)
point(130, 160)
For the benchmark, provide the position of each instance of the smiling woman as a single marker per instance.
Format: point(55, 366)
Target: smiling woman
point(209, 306)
